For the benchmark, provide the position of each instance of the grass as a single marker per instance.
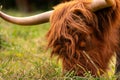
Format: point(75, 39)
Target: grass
point(23, 54)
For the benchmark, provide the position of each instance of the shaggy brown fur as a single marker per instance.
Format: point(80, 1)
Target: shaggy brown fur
point(83, 40)
point(118, 56)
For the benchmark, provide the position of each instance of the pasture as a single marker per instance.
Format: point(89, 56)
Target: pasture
point(23, 54)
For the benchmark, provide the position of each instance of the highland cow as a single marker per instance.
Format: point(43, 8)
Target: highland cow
point(84, 40)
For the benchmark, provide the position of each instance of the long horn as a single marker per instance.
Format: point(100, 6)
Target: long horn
point(31, 20)
point(44, 17)
point(100, 4)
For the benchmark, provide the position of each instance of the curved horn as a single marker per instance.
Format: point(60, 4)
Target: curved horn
point(44, 17)
point(100, 4)
point(31, 20)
